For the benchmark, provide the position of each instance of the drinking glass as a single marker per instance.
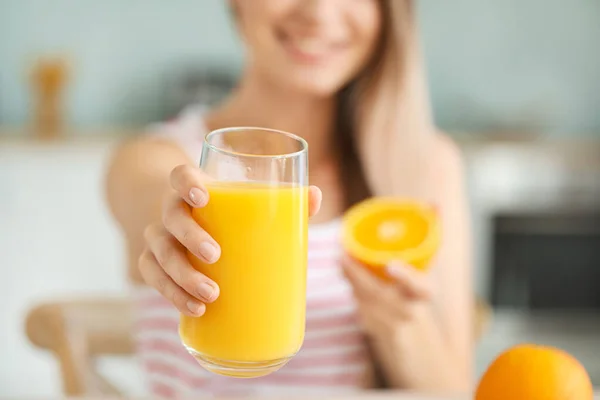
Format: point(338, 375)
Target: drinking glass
point(257, 180)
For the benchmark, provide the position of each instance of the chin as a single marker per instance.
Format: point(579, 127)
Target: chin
point(312, 84)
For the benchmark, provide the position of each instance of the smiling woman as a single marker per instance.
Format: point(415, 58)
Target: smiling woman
point(292, 48)
point(346, 76)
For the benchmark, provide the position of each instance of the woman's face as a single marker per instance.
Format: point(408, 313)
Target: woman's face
point(316, 46)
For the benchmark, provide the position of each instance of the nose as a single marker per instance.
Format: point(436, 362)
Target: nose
point(316, 12)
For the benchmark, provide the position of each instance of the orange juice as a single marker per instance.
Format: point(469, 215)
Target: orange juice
point(259, 315)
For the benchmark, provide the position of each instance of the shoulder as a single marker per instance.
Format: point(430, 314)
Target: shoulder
point(169, 143)
point(447, 153)
point(447, 158)
point(446, 168)
point(187, 131)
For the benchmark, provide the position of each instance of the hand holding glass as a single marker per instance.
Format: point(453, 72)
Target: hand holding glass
point(258, 213)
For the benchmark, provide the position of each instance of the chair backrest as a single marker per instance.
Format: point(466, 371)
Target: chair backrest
point(76, 331)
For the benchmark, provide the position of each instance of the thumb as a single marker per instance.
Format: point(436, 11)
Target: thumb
point(412, 282)
point(314, 200)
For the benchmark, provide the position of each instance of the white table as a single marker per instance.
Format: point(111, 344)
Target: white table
point(378, 395)
point(381, 395)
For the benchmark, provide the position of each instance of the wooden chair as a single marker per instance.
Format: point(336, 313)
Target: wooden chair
point(79, 330)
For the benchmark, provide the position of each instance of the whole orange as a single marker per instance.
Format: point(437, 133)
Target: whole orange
point(531, 372)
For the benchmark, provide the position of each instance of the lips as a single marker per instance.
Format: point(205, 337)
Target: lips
point(310, 49)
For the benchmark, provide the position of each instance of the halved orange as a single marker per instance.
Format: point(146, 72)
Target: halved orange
point(382, 229)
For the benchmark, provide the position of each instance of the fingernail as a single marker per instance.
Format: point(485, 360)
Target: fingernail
point(197, 196)
point(195, 307)
point(209, 251)
point(207, 292)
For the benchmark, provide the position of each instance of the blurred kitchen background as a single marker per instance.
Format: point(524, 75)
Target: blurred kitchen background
point(516, 82)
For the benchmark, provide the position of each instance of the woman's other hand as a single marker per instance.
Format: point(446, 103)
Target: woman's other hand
point(399, 318)
point(384, 306)
point(164, 264)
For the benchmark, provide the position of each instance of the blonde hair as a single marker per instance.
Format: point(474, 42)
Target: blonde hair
point(384, 125)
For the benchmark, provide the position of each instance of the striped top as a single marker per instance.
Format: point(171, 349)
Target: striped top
point(334, 358)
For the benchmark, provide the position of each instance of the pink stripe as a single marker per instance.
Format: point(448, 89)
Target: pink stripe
point(318, 251)
point(325, 278)
point(329, 302)
point(160, 303)
point(161, 346)
point(325, 283)
point(163, 369)
point(162, 390)
point(353, 357)
point(335, 340)
point(337, 379)
point(323, 263)
point(154, 301)
point(331, 322)
point(171, 324)
point(339, 300)
point(277, 378)
point(332, 340)
point(316, 244)
point(160, 324)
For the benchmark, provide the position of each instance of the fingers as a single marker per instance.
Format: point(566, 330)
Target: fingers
point(171, 258)
point(384, 298)
point(157, 278)
point(315, 196)
point(189, 184)
point(178, 220)
point(412, 282)
point(365, 284)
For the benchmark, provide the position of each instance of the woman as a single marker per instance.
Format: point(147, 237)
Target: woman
point(346, 75)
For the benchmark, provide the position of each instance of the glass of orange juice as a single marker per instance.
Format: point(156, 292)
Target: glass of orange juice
point(258, 213)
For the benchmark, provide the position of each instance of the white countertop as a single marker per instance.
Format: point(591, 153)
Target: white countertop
point(387, 395)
